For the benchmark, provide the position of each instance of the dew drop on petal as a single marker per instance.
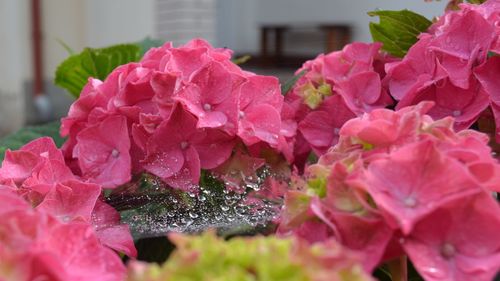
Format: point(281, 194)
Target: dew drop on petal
point(456, 113)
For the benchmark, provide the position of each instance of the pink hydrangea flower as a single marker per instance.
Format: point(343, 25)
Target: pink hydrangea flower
point(412, 181)
point(71, 200)
point(118, 126)
point(440, 67)
point(336, 87)
point(321, 129)
point(35, 245)
point(458, 241)
point(103, 152)
point(37, 172)
point(178, 149)
point(211, 97)
point(381, 189)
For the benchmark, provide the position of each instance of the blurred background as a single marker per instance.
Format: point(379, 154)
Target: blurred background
point(278, 34)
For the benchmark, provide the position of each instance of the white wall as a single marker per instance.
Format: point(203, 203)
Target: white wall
point(14, 62)
point(247, 15)
point(92, 23)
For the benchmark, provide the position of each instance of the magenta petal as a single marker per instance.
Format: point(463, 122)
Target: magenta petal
point(18, 165)
point(263, 123)
point(71, 200)
point(213, 119)
point(189, 176)
point(318, 130)
point(458, 241)
point(216, 151)
point(165, 163)
point(487, 74)
point(413, 182)
point(44, 147)
point(109, 230)
point(103, 152)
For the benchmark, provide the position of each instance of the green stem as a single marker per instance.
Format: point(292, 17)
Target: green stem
point(398, 269)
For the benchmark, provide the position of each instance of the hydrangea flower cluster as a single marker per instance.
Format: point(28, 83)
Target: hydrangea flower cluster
point(177, 111)
point(53, 223)
point(35, 245)
point(450, 66)
point(207, 257)
point(333, 89)
point(398, 183)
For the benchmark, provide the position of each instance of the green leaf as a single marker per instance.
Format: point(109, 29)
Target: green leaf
point(73, 73)
point(241, 60)
point(398, 30)
point(25, 135)
point(285, 88)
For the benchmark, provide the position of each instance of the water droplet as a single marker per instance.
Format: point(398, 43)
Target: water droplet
point(207, 107)
point(456, 113)
point(193, 215)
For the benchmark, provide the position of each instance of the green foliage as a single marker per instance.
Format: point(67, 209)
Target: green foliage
point(73, 73)
point(287, 86)
point(25, 135)
point(241, 60)
point(398, 30)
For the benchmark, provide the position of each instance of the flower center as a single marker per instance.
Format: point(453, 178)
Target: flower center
point(448, 250)
point(115, 153)
point(410, 202)
point(457, 113)
point(184, 144)
point(241, 114)
point(207, 107)
point(336, 131)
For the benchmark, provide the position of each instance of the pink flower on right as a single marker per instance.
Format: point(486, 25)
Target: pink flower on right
point(452, 65)
point(400, 183)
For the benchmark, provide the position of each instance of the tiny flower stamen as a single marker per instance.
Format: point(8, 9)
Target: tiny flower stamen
point(410, 202)
point(207, 107)
point(448, 250)
point(115, 153)
point(184, 144)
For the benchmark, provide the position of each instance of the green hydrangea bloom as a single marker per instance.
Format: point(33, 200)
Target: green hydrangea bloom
point(207, 257)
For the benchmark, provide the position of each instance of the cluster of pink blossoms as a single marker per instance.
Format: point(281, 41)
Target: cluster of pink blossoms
point(335, 88)
point(398, 183)
point(450, 66)
point(177, 111)
point(54, 225)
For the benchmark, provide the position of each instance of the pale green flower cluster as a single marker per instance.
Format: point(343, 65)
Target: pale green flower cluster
point(208, 257)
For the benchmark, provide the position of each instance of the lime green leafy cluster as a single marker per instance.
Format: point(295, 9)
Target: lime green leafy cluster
point(207, 257)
